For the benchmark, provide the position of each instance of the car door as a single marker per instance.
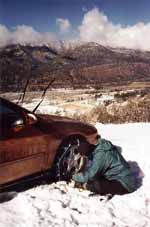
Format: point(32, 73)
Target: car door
point(22, 145)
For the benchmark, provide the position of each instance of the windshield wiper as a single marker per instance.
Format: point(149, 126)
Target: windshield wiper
point(43, 95)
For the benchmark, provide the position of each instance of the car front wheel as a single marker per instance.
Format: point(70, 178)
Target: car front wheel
point(71, 157)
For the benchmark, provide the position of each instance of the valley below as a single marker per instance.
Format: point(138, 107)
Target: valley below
point(118, 104)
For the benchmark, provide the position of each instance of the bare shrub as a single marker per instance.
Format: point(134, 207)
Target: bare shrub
point(125, 95)
point(133, 111)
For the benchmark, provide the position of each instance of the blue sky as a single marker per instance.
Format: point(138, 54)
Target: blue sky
point(42, 14)
point(109, 22)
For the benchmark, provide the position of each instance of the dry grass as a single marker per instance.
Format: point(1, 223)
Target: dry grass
point(136, 110)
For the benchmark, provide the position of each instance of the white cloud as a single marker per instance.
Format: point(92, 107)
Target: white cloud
point(64, 24)
point(5, 36)
point(23, 34)
point(96, 27)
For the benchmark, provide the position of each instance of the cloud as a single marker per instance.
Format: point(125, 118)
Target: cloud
point(23, 34)
point(5, 36)
point(84, 9)
point(96, 27)
point(64, 24)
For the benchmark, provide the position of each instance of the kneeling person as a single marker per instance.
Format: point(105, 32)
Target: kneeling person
point(108, 173)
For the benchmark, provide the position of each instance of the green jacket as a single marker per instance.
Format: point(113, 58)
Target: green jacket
point(108, 162)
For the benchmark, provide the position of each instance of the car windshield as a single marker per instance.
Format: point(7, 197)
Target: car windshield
point(8, 115)
point(5, 110)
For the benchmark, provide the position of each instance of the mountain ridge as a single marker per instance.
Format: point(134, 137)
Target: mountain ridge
point(88, 64)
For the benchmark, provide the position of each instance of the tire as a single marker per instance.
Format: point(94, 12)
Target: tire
point(6, 196)
point(71, 158)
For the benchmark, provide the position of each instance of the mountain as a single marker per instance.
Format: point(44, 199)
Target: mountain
point(39, 64)
point(87, 64)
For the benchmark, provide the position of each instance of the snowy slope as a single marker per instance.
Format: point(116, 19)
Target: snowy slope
point(62, 205)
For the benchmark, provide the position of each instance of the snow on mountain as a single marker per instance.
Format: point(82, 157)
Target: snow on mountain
point(60, 205)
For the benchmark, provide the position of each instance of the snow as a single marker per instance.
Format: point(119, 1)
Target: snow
point(45, 107)
point(105, 97)
point(63, 108)
point(60, 205)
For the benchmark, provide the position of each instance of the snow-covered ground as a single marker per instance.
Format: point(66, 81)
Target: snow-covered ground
point(62, 205)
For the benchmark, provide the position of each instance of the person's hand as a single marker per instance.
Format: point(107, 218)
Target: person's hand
point(78, 185)
point(81, 186)
point(75, 184)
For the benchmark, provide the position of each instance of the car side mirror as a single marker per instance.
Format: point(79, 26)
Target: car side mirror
point(18, 125)
point(32, 119)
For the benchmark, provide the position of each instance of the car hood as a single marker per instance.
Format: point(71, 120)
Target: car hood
point(63, 125)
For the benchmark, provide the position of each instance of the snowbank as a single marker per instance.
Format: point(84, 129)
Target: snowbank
point(62, 205)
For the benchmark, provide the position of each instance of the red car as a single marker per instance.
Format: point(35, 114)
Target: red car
point(31, 143)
